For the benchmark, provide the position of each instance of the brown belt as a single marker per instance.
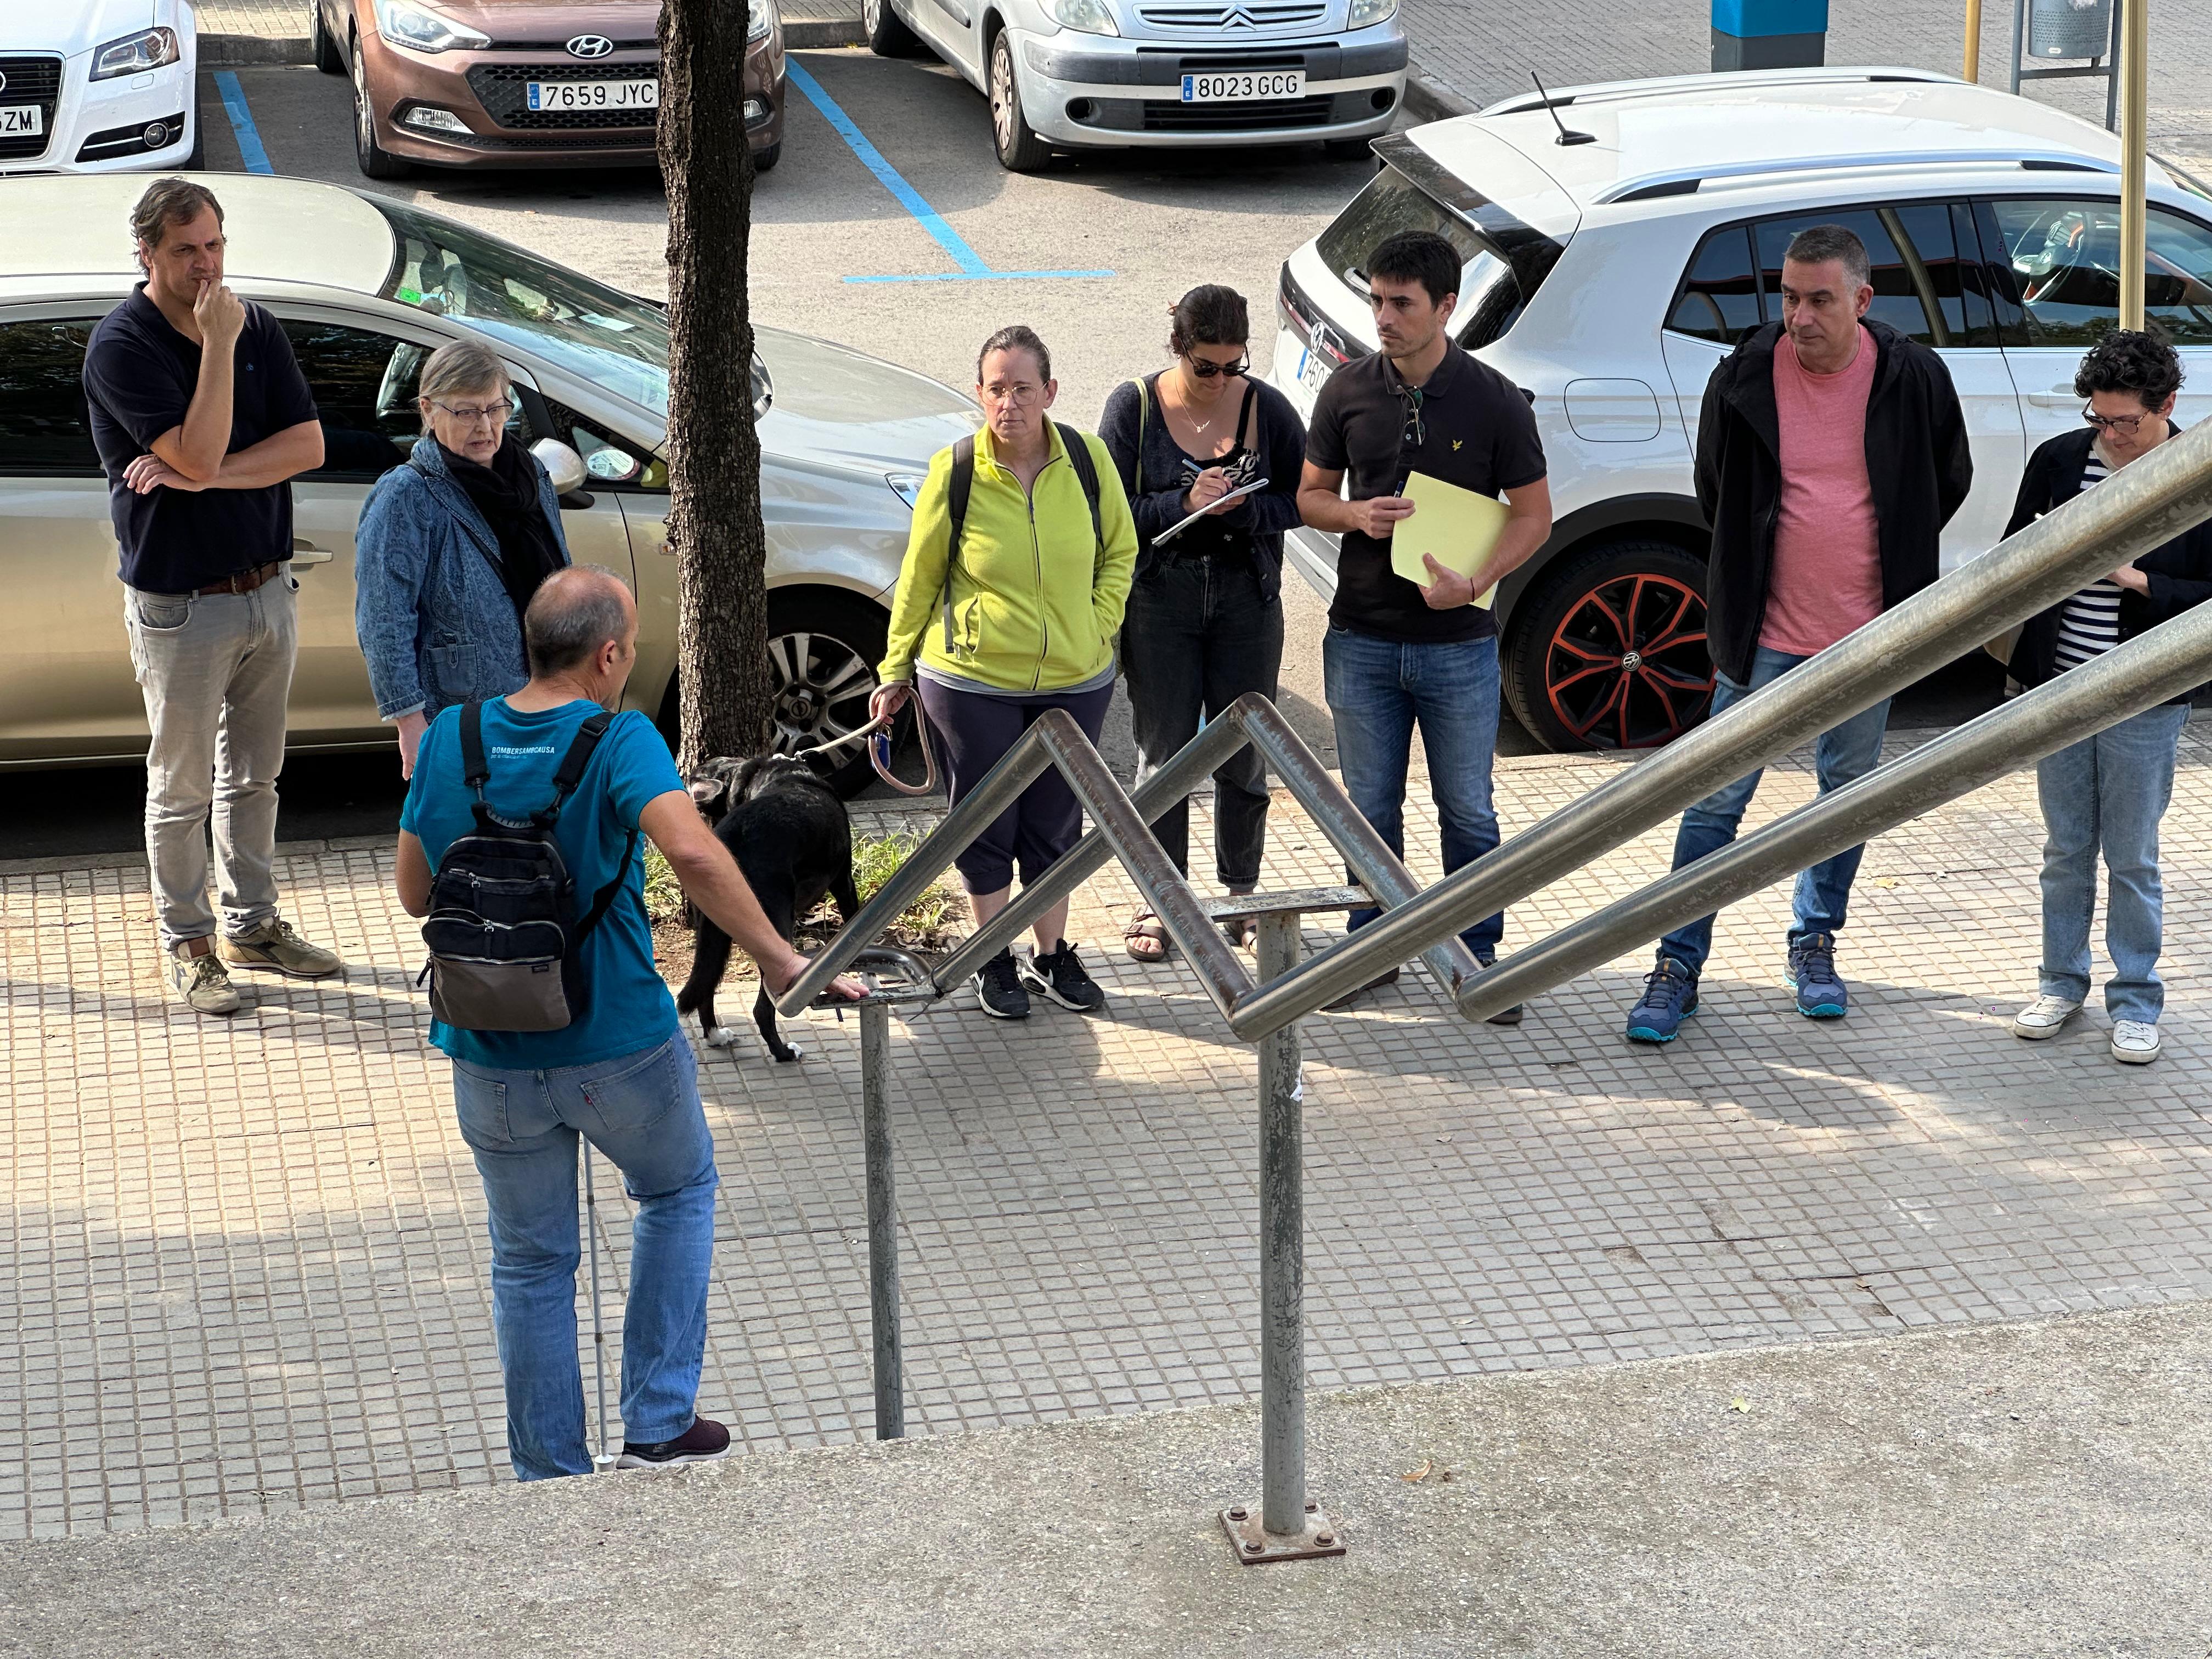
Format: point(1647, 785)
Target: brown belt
point(245, 581)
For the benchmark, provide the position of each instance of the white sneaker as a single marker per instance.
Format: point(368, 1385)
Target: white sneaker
point(2134, 1042)
point(2044, 1017)
point(202, 983)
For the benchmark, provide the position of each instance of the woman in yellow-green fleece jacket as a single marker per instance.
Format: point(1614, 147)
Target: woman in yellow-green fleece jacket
point(1020, 620)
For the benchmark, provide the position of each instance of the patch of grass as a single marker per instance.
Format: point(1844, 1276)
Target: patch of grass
point(932, 922)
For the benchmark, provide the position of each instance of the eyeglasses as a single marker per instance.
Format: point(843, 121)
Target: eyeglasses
point(1017, 395)
point(1206, 369)
point(469, 415)
point(1415, 434)
point(2125, 425)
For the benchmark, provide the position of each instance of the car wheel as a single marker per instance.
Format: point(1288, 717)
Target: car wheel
point(887, 36)
point(1609, 652)
point(1020, 150)
point(375, 160)
point(765, 161)
point(328, 57)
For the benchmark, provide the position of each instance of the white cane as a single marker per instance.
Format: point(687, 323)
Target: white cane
point(604, 1457)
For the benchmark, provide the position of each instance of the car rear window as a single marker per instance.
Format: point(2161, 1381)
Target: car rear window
point(1494, 288)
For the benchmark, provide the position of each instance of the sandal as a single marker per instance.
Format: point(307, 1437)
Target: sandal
point(1144, 927)
point(1239, 930)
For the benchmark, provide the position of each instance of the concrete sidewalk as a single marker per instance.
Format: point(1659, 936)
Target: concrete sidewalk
point(2014, 1490)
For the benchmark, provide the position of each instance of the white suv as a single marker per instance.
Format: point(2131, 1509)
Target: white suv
point(1606, 278)
point(1114, 74)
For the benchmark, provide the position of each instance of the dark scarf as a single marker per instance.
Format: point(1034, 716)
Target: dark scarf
point(506, 493)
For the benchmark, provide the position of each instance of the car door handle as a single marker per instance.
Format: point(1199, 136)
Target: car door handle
point(305, 552)
point(2058, 396)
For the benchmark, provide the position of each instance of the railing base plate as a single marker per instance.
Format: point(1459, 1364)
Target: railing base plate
point(1254, 1545)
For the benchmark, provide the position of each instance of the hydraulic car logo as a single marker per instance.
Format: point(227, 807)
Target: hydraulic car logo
point(590, 45)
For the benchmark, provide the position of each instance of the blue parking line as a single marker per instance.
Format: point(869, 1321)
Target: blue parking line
point(971, 263)
point(241, 122)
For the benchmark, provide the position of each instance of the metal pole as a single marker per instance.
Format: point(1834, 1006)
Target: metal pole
point(2112, 66)
point(1282, 1525)
point(2134, 28)
point(1282, 1253)
point(602, 1458)
point(883, 1218)
point(1973, 71)
point(2166, 492)
point(2172, 657)
point(2019, 40)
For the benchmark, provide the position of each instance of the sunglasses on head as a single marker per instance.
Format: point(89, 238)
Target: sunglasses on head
point(1206, 369)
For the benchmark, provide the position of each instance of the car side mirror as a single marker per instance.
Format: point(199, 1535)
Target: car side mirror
point(562, 465)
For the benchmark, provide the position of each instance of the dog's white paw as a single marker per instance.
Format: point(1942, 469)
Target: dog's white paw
point(721, 1036)
point(793, 1051)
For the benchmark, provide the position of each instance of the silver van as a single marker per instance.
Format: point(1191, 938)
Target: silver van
point(367, 288)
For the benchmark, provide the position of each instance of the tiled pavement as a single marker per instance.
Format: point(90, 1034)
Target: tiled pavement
point(246, 1269)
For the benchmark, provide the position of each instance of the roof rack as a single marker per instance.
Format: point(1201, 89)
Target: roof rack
point(1686, 180)
point(1657, 85)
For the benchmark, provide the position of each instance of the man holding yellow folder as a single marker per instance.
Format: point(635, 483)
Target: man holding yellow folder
point(1430, 437)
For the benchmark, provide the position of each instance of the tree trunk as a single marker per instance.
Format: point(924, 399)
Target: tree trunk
point(713, 453)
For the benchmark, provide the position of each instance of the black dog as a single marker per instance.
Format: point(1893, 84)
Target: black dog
point(790, 835)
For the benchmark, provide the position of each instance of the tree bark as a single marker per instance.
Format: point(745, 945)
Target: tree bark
point(713, 453)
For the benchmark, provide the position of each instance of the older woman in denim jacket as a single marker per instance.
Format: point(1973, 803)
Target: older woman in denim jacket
point(451, 548)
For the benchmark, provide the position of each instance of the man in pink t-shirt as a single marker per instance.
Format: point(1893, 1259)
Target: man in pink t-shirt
point(1831, 453)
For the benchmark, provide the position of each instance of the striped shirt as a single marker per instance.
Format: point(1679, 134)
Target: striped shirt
point(2089, 624)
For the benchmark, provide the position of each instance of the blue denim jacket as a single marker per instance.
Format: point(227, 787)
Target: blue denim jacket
point(432, 615)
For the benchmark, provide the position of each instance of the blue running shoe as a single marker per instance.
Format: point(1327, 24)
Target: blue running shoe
point(1670, 996)
point(1812, 974)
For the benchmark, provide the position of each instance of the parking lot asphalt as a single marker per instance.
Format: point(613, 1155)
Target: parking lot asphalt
point(840, 248)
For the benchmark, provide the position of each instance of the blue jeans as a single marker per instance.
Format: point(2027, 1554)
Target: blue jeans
point(642, 1111)
point(1377, 690)
point(2107, 793)
point(1844, 753)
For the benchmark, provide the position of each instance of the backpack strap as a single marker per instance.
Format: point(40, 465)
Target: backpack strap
point(1247, 419)
point(961, 483)
point(1143, 410)
point(604, 898)
point(1086, 471)
point(571, 771)
point(475, 771)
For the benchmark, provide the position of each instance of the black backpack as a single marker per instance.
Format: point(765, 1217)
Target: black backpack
point(502, 932)
point(962, 483)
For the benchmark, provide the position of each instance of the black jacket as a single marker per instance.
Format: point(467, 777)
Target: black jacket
point(2180, 573)
point(1917, 459)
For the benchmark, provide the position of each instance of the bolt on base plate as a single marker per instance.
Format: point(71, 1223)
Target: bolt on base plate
point(1253, 1544)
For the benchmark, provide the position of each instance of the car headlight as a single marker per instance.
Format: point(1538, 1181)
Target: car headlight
point(1364, 12)
point(134, 54)
point(760, 17)
point(907, 486)
point(420, 30)
point(1086, 16)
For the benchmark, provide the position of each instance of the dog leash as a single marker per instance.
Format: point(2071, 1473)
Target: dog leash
point(877, 732)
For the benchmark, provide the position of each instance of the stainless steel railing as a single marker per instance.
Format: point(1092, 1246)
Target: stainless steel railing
point(2143, 506)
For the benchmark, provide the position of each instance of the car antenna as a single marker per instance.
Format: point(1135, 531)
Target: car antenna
point(1567, 135)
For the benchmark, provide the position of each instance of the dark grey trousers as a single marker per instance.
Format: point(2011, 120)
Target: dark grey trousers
point(1197, 636)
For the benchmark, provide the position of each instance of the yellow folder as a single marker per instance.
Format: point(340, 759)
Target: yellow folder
point(1457, 526)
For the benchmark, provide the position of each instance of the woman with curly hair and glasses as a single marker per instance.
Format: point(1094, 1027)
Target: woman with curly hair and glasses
point(2106, 793)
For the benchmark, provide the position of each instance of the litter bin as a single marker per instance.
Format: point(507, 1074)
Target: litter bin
point(2069, 28)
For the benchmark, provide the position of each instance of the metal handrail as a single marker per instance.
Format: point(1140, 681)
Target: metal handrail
point(2173, 657)
point(2152, 500)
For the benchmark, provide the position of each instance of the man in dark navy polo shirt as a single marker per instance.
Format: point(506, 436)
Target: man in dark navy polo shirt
point(1400, 653)
point(201, 418)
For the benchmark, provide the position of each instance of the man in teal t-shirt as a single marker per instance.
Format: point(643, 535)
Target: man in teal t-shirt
point(621, 1073)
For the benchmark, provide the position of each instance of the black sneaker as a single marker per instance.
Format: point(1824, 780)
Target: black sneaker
point(999, 988)
point(1060, 975)
point(1504, 1016)
point(1359, 991)
point(703, 1443)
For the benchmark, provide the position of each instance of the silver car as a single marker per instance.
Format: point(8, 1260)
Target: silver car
point(367, 288)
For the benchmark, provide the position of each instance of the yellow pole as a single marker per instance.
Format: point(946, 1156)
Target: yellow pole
point(2134, 67)
point(1973, 70)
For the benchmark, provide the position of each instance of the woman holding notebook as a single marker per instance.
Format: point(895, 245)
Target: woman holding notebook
point(1205, 622)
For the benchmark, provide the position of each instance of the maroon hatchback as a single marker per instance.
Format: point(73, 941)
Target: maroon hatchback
point(506, 84)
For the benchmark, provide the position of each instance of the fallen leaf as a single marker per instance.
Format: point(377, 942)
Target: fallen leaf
point(1885, 881)
point(1422, 1472)
point(1739, 1404)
